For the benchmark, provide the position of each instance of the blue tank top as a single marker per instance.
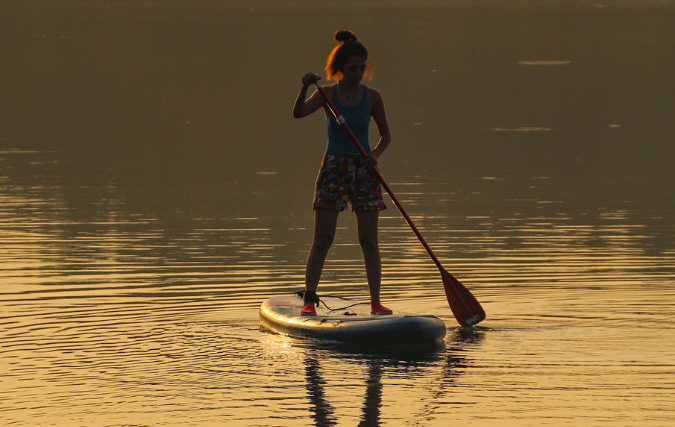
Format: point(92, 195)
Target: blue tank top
point(358, 120)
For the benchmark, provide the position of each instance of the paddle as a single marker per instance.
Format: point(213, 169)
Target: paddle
point(464, 305)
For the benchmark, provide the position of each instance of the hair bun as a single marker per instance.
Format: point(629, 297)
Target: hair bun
point(344, 35)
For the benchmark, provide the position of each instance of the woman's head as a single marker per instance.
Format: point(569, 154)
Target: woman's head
point(348, 49)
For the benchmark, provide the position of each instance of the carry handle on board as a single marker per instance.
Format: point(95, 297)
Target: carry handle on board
point(465, 307)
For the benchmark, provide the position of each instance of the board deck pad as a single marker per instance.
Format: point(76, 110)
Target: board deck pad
point(340, 319)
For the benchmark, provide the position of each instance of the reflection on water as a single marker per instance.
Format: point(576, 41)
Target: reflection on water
point(322, 411)
point(373, 400)
point(154, 191)
point(399, 360)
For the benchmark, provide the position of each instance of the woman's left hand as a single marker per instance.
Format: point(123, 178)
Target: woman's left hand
point(370, 161)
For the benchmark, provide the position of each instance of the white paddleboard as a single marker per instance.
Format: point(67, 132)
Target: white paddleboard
point(339, 319)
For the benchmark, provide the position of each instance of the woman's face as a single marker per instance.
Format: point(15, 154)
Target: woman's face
point(354, 69)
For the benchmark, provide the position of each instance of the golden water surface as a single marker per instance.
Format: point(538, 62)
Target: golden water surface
point(154, 190)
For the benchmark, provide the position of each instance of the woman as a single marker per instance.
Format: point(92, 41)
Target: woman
point(345, 177)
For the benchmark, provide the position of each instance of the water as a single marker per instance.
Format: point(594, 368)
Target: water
point(155, 190)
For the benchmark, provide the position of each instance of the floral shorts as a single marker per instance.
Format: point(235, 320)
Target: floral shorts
point(342, 180)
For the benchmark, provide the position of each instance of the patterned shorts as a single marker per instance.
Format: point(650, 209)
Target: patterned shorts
point(342, 181)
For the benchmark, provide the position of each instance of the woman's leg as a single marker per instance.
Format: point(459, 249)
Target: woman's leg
point(367, 225)
point(325, 223)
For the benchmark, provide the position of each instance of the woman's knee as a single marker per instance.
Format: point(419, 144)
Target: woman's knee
point(322, 242)
point(369, 243)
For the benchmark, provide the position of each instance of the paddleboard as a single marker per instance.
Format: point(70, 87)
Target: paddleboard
point(340, 319)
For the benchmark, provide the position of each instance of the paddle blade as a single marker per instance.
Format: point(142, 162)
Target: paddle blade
point(464, 305)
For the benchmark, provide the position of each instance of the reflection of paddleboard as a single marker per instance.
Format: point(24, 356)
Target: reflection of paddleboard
point(340, 319)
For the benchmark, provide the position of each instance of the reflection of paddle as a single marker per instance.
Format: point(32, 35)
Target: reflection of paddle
point(464, 305)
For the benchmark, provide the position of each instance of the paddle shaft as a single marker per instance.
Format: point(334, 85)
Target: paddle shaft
point(393, 197)
point(464, 305)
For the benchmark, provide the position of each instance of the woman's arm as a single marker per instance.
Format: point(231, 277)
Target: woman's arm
point(303, 107)
point(380, 118)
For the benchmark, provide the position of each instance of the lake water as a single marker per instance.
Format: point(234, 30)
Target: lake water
point(154, 190)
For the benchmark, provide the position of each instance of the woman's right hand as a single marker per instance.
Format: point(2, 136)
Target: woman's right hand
point(303, 108)
point(308, 79)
